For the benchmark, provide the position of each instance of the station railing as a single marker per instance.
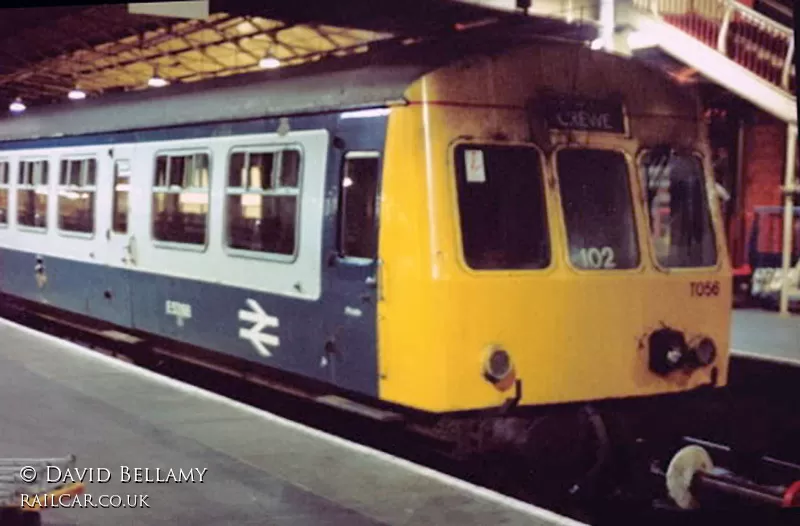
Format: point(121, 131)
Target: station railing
point(752, 40)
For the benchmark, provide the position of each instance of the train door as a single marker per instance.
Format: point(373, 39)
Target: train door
point(120, 243)
point(353, 267)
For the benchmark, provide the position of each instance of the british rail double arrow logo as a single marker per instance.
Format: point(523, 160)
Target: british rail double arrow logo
point(260, 320)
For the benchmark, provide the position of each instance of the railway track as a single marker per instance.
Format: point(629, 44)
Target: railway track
point(759, 454)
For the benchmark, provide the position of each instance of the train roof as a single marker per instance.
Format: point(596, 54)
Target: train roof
point(371, 79)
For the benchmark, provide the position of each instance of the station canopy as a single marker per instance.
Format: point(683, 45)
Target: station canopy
point(47, 52)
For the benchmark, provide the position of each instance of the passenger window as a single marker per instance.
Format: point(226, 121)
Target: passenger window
point(32, 194)
point(598, 209)
point(357, 206)
point(262, 193)
point(122, 184)
point(76, 191)
point(180, 198)
point(4, 180)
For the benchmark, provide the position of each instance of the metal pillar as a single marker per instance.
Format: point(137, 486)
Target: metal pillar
point(607, 23)
point(789, 188)
point(740, 202)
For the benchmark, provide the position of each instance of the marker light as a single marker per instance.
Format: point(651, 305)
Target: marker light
point(705, 352)
point(17, 106)
point(76, 94)
point(269, 63)
point(157, 82)
point(498, 369)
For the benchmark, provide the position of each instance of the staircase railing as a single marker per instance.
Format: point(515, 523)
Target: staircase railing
point(750, 39)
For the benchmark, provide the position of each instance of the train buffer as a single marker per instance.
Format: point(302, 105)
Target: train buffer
point(692, 477)
point(25, 489)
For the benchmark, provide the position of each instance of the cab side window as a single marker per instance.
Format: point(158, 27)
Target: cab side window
point(358, 233)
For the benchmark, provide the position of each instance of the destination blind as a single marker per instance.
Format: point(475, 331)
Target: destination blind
point(572, 113)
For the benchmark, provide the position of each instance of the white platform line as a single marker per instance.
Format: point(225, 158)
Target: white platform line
point(523, 507)
point(766, 357)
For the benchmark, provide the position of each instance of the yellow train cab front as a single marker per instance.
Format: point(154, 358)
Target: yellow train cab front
point(548, 231)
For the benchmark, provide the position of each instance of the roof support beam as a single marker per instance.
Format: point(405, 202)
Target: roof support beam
point(185, 50)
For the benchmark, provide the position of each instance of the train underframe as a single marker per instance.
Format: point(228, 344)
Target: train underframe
point(634, 450)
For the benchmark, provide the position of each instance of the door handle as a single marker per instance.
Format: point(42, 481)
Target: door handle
point(332, 258)
point(378, 280)
point(130, 248)
point(381, 271)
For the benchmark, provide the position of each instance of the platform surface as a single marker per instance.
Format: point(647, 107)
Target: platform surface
point(766, 333)
point(261, 470)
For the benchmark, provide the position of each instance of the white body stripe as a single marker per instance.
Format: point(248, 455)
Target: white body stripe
point(213, 264)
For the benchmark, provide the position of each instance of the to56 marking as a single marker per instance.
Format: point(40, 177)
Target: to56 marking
point(699, 289)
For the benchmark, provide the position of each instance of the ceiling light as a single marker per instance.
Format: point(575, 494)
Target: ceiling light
point(269, 63)
point(157, 82)
point(17, 106)
point(245, 27)
point(76, 94)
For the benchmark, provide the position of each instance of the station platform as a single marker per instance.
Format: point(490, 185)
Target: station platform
point(59, 399)
point(766, 334)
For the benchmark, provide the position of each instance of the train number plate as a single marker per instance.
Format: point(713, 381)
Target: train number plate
point(699, 289)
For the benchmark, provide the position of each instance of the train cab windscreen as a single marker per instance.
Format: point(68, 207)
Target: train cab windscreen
point(502, 207)
point(598, 209)
point(680, 217)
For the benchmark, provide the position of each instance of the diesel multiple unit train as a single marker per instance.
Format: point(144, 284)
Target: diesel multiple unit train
point(482, 237)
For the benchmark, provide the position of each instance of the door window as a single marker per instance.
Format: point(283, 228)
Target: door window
point(122, 185)
point(358, 236)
